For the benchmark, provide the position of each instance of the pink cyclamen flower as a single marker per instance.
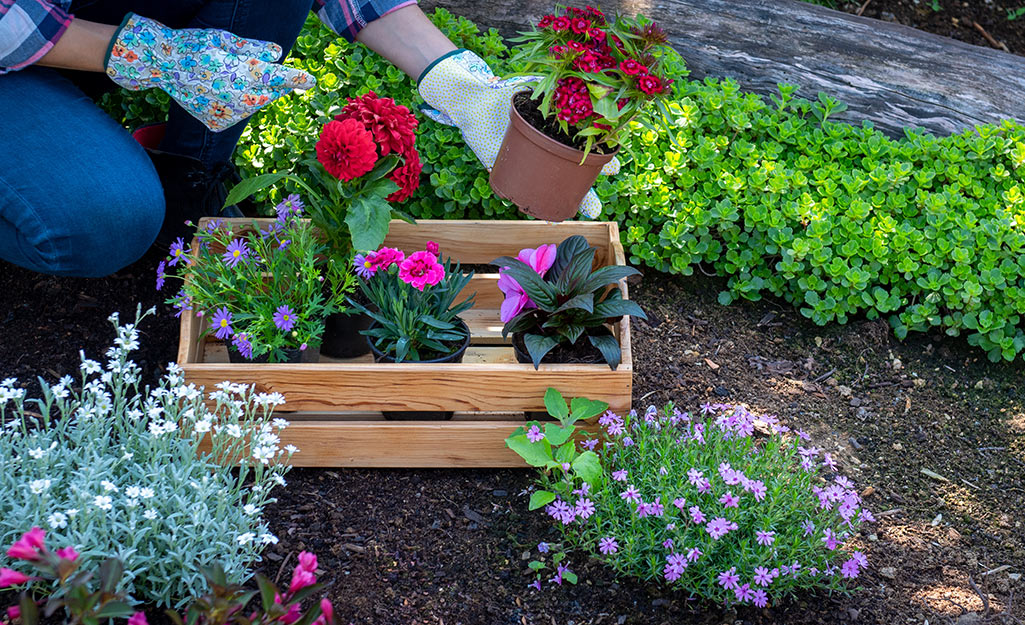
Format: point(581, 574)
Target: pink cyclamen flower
point(27, 547)
point(67, 553)
point(10, 577)
point(139, 618)
point(301, 578)
point(421, 269)
point(516, 299)
point(308, 561)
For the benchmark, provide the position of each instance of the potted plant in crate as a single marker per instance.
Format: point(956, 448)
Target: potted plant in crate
point(595, 76)
point(412, 304)
point(261, 291)
point(366, 163)
point(554, 299)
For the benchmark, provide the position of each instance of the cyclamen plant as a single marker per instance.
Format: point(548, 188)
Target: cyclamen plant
point(366, 163)
point(596, 75)
point(412, 300)
point(142, 475)
point(703, 505)
point(262, 291)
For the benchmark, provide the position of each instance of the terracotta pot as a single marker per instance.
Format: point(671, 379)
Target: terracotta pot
point(292, 356)
point(520, 350)
point(422, 415)
point(543, 177)
point(342, 338)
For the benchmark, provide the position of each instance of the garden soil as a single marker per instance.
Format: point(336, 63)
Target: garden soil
point(932, 433)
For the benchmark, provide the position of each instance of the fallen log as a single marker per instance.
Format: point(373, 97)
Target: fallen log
point(890, 74)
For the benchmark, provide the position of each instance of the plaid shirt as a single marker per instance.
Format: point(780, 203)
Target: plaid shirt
point(30, 28)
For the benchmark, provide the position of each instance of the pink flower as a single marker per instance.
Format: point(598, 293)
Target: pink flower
point(301, 578)
point(28, 546)
point(139, 618)
point(433, 248)
point(69, 554)
point(327, 613)
point(10, 577)
point(308, 561)
point(421, 269)
point(540, 260)
point(385, 257)
point(13, 612)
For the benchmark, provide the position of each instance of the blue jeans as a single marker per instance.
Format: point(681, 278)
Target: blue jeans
point(78, 195)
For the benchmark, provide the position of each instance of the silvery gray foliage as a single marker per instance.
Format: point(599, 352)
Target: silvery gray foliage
point(118, 471)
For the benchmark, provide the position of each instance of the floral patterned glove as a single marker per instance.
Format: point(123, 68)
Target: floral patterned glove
point(464, 92)
point(218, 77)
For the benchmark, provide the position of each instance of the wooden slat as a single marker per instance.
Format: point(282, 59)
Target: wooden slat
point(215, 352)
point(892, 75)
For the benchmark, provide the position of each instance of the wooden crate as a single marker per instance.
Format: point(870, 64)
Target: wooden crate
point(334, 405)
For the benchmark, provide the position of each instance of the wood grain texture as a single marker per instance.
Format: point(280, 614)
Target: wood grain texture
point(890, 74)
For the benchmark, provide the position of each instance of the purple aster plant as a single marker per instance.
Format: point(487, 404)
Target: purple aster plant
point(221, 323)
point(284, 318)
point(243, 345)
point(364, 266)
point(236, 252)
point(176, 252)
point(161, 274)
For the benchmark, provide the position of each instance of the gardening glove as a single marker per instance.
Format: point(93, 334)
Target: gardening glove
point(462, 91)
point(218, 77)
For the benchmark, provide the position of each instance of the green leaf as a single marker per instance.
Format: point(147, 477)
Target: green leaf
point(540, 498)
point(267, 592)
point(588, 466)
point(249, 186)
point(533, 285)
point(609, 348)
point(583, 409)
point(368, 218)
point(535, 454)
point(555, 404)
point(569, 576)
point(607, 275)
point(111, 571)
point(538, 346)
point(115, 609)
point(29, 610)
point(584, 301)
point(556, 435)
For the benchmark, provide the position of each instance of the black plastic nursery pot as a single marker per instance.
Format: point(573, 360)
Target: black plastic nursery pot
point(583, 353)
point(292, 356)
point(343, 337)
point(422, 415)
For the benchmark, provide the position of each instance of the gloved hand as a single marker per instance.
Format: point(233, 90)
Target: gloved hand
point(464, 92)
point(218, 77)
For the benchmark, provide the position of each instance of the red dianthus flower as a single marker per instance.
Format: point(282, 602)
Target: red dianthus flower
point(651, 85)
point(392, 125)
point(632, 67)
point(346, 149)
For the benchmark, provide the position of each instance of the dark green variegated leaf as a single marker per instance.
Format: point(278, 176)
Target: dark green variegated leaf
point(607, 275)
point(570, 248)
point(584, 301)
point(538, 346)
point(520, 323)
point(572, 331)
point(617, 307)
point(609, 347)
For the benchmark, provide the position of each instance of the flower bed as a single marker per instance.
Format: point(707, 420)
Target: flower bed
point(336, 403)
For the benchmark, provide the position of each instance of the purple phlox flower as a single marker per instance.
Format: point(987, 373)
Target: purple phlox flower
point(643, 510)
point(696, 515)
point(849, 569)
point(620, 475)
point(609, 417)
point(699, 433)
point(584, 508)
point(650, 413)
point(627, 441)
point(583, 490)
point(536, 584)
point(284, 318)
point(830, 538)
point(364, 266)
point(801, 434)
point(676, 564)
point(860, 558)
point(667, 544)
point(589, 444)
point(656, 508)
point(559, 572)
point(728, 579)
point(534, 434)
point(670, 526)
point(631, 494)
point(807, 463)
point(762, 576)
point(237, 250)
point(221, 322)
point(813, 571)
point(728, 500)
point(608, 545)
point(705, 486)
point(744, 426)
point(663, 471)
point(809, 528)
point(758, 489)
point(693, 554)
point(694, 476)
point(680, 503)
point(827, 461)
point(760, 598)
point(176, 250)
point(866, 516)
point(824, 503)
point(719, 527)
point(614, 429)
point(843, 482)
point(810, 452)
point(561, 511)
point(706, 408)
point(730, 476)
point(765, 538)
point(243, 345)
point(542, 547)
point(291, 206)
point(795, 568)
point(161, 274)
point(743, 593)
point(849, 507)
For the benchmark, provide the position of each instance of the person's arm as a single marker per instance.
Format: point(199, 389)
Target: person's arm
point(83, 47)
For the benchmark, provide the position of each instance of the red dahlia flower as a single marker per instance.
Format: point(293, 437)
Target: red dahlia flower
point(407, 176)
point(346, 149)
point(392, 125)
